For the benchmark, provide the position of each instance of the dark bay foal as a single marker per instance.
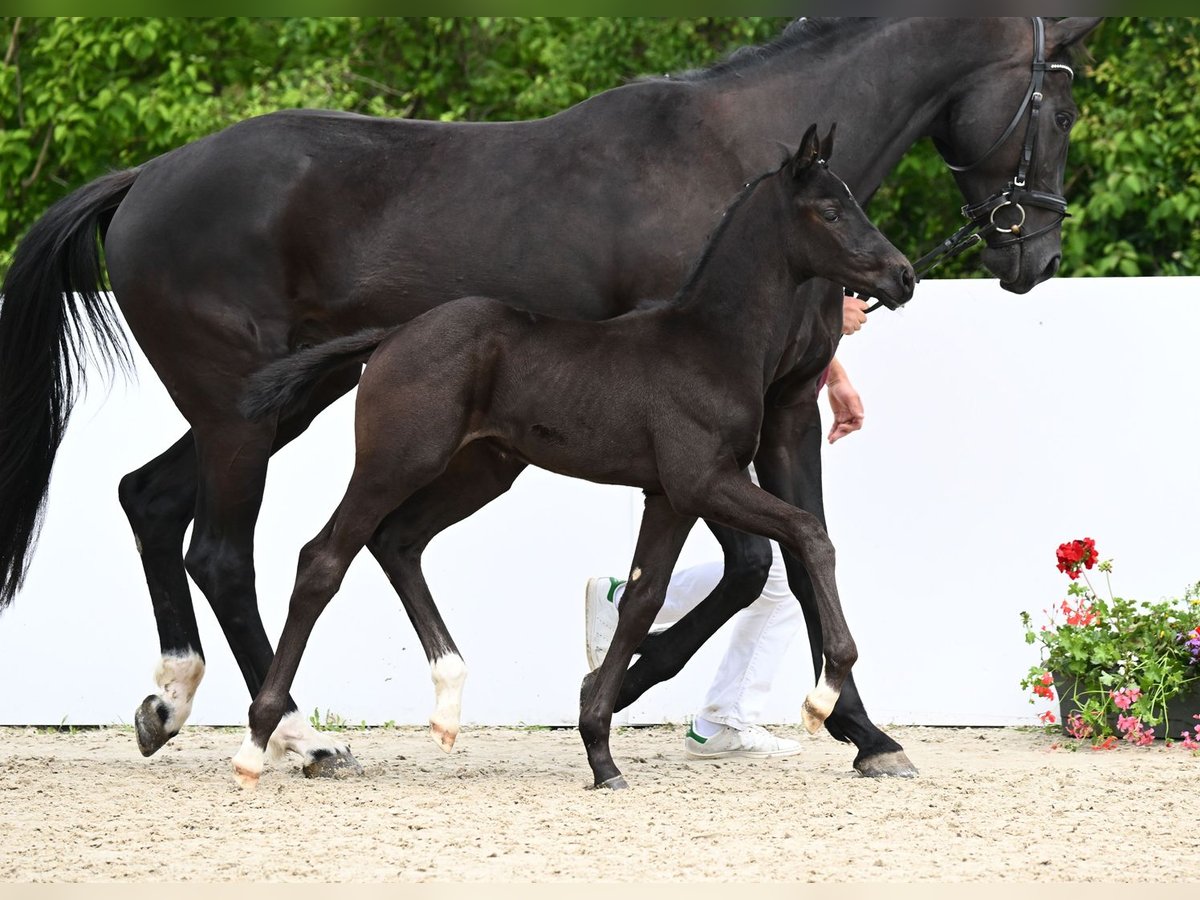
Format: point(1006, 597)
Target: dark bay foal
point(668, 399)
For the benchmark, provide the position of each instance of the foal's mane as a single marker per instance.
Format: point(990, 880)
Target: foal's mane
point(715, 238)
point(805, 32)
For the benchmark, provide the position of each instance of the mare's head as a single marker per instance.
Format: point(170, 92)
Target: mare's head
point(829, 236)
point(1005, 133)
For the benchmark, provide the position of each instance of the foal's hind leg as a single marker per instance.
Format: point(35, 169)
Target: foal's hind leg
point(477, 475)
point(385, 474)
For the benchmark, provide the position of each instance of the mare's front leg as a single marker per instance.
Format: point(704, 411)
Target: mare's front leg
point(478, 474)
point(659, 543)
point(789, 466)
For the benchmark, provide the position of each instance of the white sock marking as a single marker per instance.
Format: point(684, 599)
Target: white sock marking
point(295, 734)
point(449, 673)
point(248, 763)
point(177, 678)
point(819, 703)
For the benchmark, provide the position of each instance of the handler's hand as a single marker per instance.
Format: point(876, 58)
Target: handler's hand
point(854, 314)
point(847, 409)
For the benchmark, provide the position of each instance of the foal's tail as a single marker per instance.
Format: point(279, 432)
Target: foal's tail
point(45, 338)
point(286, 382)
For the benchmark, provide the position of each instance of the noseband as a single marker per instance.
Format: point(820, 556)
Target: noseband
point(981, 217)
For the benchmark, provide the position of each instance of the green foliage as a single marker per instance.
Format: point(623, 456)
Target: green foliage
point(1135, 161)
point(82, 96)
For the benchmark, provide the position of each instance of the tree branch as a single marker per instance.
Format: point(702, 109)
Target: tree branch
point(41, 160)
point(12, 42)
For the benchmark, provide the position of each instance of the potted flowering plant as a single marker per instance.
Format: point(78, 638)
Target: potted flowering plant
point(1122, 669)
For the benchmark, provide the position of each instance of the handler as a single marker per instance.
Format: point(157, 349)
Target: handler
point(727, 724)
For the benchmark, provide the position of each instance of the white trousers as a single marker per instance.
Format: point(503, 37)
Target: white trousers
point(762, 633)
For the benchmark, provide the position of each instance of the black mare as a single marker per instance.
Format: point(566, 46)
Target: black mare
point(290, 229)
point(606, 401)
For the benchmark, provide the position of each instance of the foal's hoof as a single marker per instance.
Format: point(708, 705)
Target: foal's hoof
point(149, 721)
point(616, 783)
point(330, 764)
point(886, 765)
point(812, 717)
point(246, 778)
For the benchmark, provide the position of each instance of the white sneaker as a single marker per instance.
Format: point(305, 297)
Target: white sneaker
point(600, 618)
point(751, 742)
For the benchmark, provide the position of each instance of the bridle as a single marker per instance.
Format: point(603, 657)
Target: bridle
point(982, 216)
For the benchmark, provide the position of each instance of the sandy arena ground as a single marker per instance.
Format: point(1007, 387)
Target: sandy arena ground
point(510, 805)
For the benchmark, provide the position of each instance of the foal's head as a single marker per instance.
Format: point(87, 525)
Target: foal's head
point(827, 233)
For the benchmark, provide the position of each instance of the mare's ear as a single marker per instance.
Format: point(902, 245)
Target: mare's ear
point(827, 143)
point(1065, 32)
point(808, 152)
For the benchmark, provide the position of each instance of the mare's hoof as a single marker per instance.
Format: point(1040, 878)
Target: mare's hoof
point(616, 783)
point(150, 721)
point(886, 765)
point(327, 764)
point(443, 734)
point(585, 686)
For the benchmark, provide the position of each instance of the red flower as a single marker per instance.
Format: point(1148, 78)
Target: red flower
point(1076, 555)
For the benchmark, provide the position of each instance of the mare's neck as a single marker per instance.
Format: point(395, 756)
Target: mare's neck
point(881, 108)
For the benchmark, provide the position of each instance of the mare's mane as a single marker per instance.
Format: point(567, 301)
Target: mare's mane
point(805, 32)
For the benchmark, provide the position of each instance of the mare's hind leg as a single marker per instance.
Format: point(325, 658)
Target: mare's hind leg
point(159, 500)
point(233, 458)
point(789, 466)
point(477, 475)
point(660, 540)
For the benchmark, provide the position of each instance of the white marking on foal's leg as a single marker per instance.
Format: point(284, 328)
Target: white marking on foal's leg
point(819, 704)
point(177, 678)
point(295, 734)
point(635, 574)
point(448, 672)
point(248, 764)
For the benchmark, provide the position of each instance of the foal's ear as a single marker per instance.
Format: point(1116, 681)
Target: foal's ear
point(1067, 32)
point(808, 152)
point(827, 143)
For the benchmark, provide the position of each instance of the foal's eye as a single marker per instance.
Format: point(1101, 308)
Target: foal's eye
point(1064, 121)
point(830, 215)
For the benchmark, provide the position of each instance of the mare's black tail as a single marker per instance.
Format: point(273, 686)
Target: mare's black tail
point(285, 383)
point(45, 335)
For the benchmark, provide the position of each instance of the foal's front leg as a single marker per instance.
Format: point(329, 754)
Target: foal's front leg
point(659, 543)
point(730, 498)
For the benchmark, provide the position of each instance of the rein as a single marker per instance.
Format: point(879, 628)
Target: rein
point(982, 216)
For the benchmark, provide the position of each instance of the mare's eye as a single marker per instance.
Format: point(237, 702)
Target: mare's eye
point(830, 215)
point(1064, 121)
